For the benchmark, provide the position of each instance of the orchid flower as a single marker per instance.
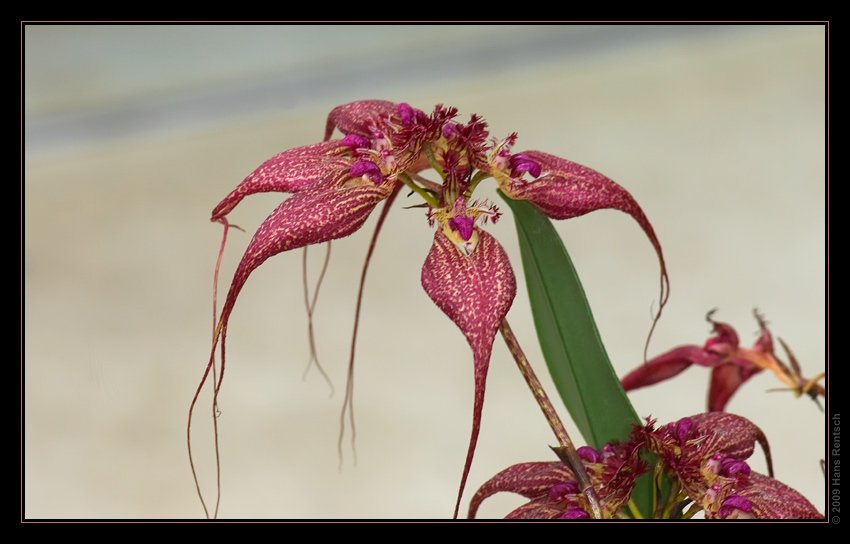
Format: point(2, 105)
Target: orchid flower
point(731, 365)
point(705, 455)
point(338, 183)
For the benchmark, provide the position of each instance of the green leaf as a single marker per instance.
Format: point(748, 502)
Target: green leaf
point(570, 342)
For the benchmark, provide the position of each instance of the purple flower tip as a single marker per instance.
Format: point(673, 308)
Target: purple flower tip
point(522, 163)
point(575, 513)
point(588, 454)
point(683, 428)
point(561, 492)
point(450, 131)
point(355, 141)
point(368, 169)
point(463, 226)
point(733, 504)
point(731, 467)
point(406, 113)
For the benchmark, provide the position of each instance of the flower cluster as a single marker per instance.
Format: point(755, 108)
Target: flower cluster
point(705, 456)
point(336, 184)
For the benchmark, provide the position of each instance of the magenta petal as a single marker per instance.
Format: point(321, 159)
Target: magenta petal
point(726, 379)
point(771, 499)
point(313, 216)
point(667, 365)
point(531, 480)
point(733, 436)
point(288, 172)
point(476, 292)
point(734, 504)
point(358, 117)
point(570, 190)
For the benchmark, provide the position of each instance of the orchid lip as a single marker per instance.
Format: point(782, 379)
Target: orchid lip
point(463, 226)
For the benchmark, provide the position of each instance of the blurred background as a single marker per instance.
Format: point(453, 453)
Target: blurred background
point(134, 133)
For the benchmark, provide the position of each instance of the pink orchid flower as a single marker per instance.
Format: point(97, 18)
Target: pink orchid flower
point(731, 365)
point(338, 183)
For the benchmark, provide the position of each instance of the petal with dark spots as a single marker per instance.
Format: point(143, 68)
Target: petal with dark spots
point(567, 189)
point(531, 480)
point(313, 216)
point(733, 436)
point(288, 172)
point(357, 117)
point(771, 499)
point(476, 292)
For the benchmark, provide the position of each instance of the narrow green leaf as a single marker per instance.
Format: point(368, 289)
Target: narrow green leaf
point(570, 342)
point(574, 353)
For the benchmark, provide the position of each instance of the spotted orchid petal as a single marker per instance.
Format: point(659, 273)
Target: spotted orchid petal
point(359, 117)
point(766, 498)
point(531, 480)
point(475, 291)
point(322, 213)
point(565, 189)
point(288, 172)
point(731, 435)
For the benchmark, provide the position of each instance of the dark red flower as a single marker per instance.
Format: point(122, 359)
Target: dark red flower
point(554, 491)
point(731, 365)
point(707, 455)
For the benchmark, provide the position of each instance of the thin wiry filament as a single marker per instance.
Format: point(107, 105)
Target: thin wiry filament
point(311, 307)
point(210, 367)
point(348, 402)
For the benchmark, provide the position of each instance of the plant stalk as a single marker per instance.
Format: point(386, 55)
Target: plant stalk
point(567, 451)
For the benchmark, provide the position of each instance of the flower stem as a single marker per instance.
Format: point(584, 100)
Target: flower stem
point(567, 451)
point(428, 197)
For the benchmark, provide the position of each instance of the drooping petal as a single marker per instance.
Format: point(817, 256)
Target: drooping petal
point(357, 117)
point(567, 190)
point(288, 172)
point(726, 379)
point(771, 499)
point(667, 365)
point(731, 365)
point(476, 292)
point(312, 216)
point(531, 480)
